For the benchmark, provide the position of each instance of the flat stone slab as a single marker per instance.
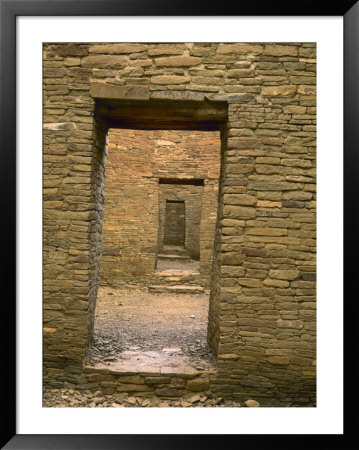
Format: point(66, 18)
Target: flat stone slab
point(177, 289)
point(167, 361)
point(172, 350)
point(182, 257)
point(177, 264)
point(176, 272)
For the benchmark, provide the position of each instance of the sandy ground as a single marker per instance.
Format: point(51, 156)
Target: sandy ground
point(178, 264)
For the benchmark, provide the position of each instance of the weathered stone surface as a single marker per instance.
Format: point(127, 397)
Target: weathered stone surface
point(111, 252)
point(49, 330)
point(239, 212)
point(254, 49)
point(165, 49)
point(54, 73)
point(253, 251)
point(169, 392)
point(282, 360)
point(133, 379)
point(294, 324)
point(178, 61)
point(240, 73)
point(104, 61)
point(284, 274)
point(292, 204)
point(268, 170)
point(117, 48)
point(252, 403)
point(294, 109)
point(278, 91)
point(244, 142)
point(70, 49)
point(178, 95)
point(103, 90)
point(309, 276)
point(232, 259)
point(257, 231)
point(169, 79)
point(275, 283)
point(269, 204)
point(307, 90)
point(60, 126)
point(264, 186)
point(198, 385)
point(240, 199)
point(157, 380)
point(280, 50)
point(306, 52)
point(133, 388)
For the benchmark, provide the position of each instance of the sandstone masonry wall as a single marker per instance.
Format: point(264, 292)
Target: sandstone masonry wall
point(263, 312)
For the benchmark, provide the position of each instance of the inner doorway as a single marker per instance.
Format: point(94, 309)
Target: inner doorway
point(174, 227)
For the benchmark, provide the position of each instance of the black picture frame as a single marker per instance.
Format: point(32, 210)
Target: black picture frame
point(9, 10)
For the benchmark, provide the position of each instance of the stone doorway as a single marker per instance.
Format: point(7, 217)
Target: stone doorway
point(157, 252)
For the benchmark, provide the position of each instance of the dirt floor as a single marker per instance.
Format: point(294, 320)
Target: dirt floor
point(139, 331)
point(191, 265)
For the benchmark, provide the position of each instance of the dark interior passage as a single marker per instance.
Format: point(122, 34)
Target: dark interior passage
point(174, 233)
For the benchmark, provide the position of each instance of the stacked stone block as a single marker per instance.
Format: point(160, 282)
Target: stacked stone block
point(262, 312)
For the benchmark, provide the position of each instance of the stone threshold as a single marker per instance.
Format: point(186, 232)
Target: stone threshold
point(176, 272)
point(173, 256)
point(171, 384)
point(176, 289)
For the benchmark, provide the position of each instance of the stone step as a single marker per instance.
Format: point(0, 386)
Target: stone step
point(173, 257)
point(176, 272)
point(174, 250)
point(177, 276)
point(175, 289)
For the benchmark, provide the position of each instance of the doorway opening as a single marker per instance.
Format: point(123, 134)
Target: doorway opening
point(179, 238)
point(158, 239)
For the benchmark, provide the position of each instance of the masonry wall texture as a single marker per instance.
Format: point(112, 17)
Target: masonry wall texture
point(262, 308)
point(139, 163)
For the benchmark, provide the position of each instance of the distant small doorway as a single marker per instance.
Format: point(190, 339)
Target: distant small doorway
point(174, 227)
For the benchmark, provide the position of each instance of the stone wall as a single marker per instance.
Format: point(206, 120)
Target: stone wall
point(139, 163)
point(262, 312)
point(149, 384)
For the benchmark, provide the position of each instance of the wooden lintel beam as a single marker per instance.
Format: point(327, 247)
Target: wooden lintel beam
point(206, 115)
